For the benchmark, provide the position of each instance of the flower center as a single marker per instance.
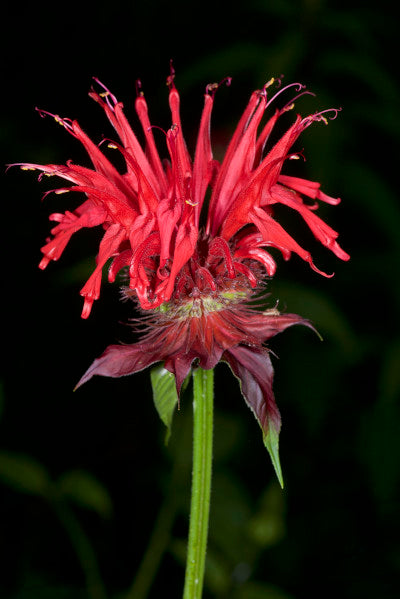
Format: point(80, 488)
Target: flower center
point(201, 304)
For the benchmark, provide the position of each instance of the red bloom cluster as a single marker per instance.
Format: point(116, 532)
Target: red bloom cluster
point(194, 282)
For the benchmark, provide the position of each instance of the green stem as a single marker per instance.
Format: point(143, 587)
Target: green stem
point(203, 396)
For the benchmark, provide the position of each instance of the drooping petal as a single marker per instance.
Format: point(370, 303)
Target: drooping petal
point(308, 188)
point(109, 246)
point(323, 232)
point(88, 215)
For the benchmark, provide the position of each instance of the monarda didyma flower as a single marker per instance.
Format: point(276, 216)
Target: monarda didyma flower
point(193, 266)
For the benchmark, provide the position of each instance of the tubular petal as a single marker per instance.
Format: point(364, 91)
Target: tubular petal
point(151, 213)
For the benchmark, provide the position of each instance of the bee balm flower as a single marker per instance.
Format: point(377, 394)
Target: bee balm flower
point(193, 282)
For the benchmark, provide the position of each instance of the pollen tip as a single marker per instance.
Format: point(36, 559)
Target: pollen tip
point(212, 87)
point(171, 76)
point(138, 85)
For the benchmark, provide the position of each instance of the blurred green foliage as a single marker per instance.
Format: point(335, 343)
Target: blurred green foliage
point(87, 483)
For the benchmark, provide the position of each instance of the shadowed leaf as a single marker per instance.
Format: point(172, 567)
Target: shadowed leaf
point(24, 474)
point(267, 525)
point(86, 491)
point(260, 590)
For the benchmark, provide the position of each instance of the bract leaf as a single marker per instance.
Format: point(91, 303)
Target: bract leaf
point(164, 395)
point(254, 370)
point(271, 442)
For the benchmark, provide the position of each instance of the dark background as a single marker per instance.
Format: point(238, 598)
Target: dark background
point(84, 475)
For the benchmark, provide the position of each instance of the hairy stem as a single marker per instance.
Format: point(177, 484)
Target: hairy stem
point(203, 396)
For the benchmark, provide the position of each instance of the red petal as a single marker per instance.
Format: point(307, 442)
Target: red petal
point(323, 232)
point(109, 245)
point(203, 160)
point(226, 164)
point(308, 188)
point(142, 112)
point(87, 215)
point(232, 179)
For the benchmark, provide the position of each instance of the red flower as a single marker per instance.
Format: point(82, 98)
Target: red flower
point(196, 283)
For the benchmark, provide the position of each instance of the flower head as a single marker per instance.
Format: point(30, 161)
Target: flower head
point(194, 282)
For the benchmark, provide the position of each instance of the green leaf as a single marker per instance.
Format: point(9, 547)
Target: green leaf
point(86, 491)
point(24, 474)
point(271, 442)
point(164, 395)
